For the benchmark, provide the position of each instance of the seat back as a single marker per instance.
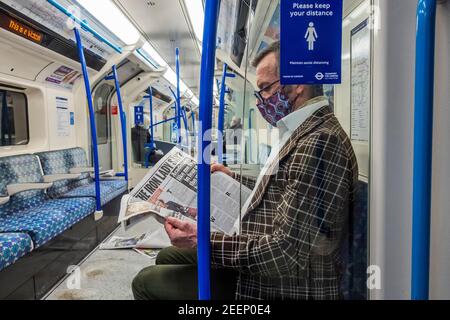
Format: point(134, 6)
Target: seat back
point(21, 169)
point(60, 162)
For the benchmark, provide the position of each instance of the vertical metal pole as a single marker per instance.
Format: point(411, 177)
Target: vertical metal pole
point(423, 142)
point(221, 121)
point(150, 97)
point(185, 121)
point(123, 122)
point(87, 86)
point(178, 97)
point(250, 136)
point(204, 161)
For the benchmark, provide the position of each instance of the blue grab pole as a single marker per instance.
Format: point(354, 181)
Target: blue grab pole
point(221, 121)
point(204, 161)
point(423, 141)
point(123, 122)
point(151, 146)
point(87, 86)
point(222, 105)
point(84, 25)
point(150, 97)
point(165, 121)
point(193, 121)
point(178, 96)
point(180, 113)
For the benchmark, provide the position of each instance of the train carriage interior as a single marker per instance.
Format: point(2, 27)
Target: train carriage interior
point(94, 94)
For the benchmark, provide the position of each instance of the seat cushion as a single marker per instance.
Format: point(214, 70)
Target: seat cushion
point(109, 190)
point(48, 220)
point(13, 246)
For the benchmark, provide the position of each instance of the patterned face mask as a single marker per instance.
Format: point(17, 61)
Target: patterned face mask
point(275, 108)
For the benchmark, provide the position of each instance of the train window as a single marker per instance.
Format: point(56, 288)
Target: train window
point(14, 129)
point(101, 97)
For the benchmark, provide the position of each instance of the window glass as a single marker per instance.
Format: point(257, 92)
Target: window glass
point(14, 129)
point(101, 97)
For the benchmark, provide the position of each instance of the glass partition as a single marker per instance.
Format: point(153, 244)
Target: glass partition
point(351, 103)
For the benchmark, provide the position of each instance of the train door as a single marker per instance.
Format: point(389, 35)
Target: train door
point(102, 109)
point(106, 116)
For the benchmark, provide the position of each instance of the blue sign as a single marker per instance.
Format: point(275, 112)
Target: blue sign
point(72, 119)
point(139, 115)
point(311, 41)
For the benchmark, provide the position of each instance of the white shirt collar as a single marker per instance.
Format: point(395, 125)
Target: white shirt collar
point(291, 122)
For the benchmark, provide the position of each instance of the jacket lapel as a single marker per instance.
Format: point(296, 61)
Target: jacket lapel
point(309, 125)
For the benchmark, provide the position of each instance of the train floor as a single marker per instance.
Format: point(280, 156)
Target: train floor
point(106, 274)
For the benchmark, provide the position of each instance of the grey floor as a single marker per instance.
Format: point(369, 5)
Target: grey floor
point(107, 274)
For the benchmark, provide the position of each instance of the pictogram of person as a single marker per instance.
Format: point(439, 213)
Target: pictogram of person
point(311, 36)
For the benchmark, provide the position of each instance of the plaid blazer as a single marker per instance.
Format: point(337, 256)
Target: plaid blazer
point(289, 245)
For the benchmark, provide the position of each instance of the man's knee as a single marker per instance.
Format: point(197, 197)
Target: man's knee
point(140, 287)
point(166, 256)
point(176, 256)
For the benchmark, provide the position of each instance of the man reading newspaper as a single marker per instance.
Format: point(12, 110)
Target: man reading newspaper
point(293, 225)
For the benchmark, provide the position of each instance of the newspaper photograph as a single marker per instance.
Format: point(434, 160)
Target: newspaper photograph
point(170, 190)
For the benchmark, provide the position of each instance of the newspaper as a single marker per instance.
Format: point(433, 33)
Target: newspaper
point(170, 190)
point(123, 243)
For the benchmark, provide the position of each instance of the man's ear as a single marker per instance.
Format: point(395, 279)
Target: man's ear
point(299, 90)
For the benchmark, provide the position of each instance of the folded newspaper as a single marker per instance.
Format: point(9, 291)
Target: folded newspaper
point(124, 243)
point(170, 190)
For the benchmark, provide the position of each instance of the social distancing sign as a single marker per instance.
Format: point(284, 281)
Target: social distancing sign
point(311, 41)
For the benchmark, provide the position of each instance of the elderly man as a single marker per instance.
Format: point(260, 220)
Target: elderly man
point(295, 220)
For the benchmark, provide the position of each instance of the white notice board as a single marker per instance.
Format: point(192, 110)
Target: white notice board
point(62, 117)
point(360, 82)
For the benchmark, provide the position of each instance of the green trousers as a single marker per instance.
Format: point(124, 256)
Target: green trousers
point(174, 277)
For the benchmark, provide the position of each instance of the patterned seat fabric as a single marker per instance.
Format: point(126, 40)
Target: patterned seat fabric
point(108, 190)
point(13, 246)
point(48, 220)
point(60, 162)
point(34, 212)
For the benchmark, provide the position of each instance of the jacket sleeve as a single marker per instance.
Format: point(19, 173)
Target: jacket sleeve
point(315, 194)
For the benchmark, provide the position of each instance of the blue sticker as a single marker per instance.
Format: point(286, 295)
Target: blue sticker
point(72, 119)
point(311, 41)
point(139, 115)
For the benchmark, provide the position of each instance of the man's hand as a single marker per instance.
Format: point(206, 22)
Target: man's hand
point(221, 168)
point(182, 234)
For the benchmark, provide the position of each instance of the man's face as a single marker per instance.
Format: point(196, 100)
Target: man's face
point(267, 74)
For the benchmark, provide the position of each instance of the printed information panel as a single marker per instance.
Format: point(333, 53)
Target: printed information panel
point(311, 41)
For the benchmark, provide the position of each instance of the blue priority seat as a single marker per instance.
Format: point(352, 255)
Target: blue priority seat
point(13, 246)
point(34, 212)
point(62, 162)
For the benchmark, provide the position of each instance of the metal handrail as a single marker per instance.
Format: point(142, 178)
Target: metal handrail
point(423, 142)
point(178, 95)
point(204, 158)
point(222, 105)
point(84, 25)
point(87, 86)
point(123, 121)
